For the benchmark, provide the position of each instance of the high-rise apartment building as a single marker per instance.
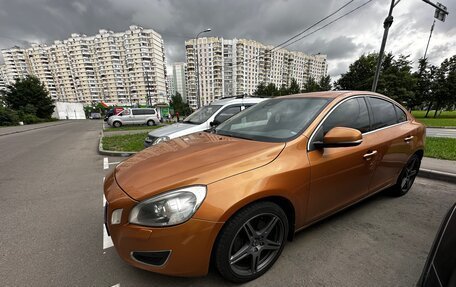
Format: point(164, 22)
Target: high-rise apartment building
point(170, 85)
point(179, 71)
point(3, 80)
point(238, 66)
point(122, 68)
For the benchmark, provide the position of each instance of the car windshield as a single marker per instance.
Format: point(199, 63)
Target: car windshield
point(202, 115)
point(275, 120)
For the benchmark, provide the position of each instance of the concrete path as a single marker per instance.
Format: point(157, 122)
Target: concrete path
point(441, 132)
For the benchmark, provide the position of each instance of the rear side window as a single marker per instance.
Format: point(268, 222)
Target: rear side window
point(150, 112)
point(401, 116)
point(350, 114)
point(383, 113)
point(137, 112)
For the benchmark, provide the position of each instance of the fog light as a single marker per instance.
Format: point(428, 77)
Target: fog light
point(116, 216)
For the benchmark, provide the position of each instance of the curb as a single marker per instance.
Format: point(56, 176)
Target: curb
point(32, 129)
point(438, 175)
point(450, 128)
point(112, 152)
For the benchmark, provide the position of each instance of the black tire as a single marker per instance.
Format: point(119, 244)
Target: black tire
point(247, 235)
point(407, 177)
point(117, 124)
point(151, 123)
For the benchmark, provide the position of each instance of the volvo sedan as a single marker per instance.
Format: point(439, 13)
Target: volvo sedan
point(234, 196)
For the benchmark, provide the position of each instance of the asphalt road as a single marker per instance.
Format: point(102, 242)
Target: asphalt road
point(440, 132)
point(51, 225)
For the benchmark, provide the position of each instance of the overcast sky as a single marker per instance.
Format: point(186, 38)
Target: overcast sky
point(268, 21)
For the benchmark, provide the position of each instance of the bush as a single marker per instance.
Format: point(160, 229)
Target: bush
point(30, 119)
point(8, 117)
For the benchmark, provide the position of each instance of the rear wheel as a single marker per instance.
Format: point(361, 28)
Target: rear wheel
point(251, 241)
point(407, 176)
point(117, 124)
point(150, 123)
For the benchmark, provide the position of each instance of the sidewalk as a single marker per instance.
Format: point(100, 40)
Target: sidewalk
point(438, 169)
point(19, 129)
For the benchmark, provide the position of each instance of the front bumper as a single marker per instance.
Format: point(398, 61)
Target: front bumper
point(189, 244)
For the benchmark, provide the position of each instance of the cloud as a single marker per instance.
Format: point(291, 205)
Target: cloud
point(267, 21)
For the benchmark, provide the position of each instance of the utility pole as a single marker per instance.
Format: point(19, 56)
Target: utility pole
point(429, 40)
point(386, 25)
point(440, 13)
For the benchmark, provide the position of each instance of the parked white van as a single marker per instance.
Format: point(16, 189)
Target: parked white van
point(135, 116)
point(203, 119)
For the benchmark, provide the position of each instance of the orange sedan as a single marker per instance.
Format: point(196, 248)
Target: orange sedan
point(233, 196)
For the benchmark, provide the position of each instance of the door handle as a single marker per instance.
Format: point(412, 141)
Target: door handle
point(407, 139)
point(368, 155)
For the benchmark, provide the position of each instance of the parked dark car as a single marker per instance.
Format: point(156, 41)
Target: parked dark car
point(440, 267)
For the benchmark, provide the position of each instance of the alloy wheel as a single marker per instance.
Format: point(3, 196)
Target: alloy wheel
point(256, 244)
point(410, 172)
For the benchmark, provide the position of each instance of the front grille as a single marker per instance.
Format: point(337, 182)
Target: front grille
point(156, 258)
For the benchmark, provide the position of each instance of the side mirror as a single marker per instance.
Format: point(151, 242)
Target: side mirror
point(341, 137)
point(214, 123)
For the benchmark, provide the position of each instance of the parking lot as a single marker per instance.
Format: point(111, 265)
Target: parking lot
point(52, 225)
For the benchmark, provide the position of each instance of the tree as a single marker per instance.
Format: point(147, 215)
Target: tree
point(396, 79)
point(325, 83)
point(311, 86)
point(29, 96)
point(179, 106)
point(360, 74)
point(294, 87)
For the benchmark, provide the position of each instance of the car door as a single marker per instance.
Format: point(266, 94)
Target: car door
point(394, 135)
point(340, 176)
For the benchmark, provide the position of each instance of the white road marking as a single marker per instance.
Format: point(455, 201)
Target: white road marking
point(105, 163)
point(117, 285)
point(116, 162)
point(107, 241)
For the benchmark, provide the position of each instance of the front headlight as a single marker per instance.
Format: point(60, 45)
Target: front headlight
point(161, 139)
point(170, 208)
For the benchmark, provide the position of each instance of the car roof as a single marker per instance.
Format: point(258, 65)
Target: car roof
point(331, 94)
point(234, 100)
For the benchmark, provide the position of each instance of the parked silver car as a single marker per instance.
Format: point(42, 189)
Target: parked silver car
point(203, 119)
point(135, 116)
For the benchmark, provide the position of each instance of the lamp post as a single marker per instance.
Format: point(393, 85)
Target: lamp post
point(441, 12)
point(198, 102)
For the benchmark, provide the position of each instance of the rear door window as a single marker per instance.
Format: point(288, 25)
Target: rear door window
point(383, 113)
point(149, 112)
point(401, 116)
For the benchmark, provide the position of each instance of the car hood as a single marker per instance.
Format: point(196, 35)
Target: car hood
point(200, 158)
point(176, 130)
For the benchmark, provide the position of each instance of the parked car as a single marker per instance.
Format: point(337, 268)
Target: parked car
point(440, 267)
point(135, 116)
point(95, 116)
point(234, 196)
point(208, 116)
point(112, 112)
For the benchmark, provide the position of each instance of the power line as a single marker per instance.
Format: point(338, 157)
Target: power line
point(326, 25)
point(313, 25)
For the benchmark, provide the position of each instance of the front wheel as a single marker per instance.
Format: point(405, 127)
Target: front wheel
point(407, 176)
point(150, 123)
point(117, 124)
point(251, 241)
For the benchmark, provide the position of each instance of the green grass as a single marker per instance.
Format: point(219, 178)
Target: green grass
point(445, 119)
point(130, 142)
point(131, 128)
point(442, 148)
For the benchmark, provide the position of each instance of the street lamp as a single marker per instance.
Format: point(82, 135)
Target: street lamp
point(198, 102)
point(441, 11)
